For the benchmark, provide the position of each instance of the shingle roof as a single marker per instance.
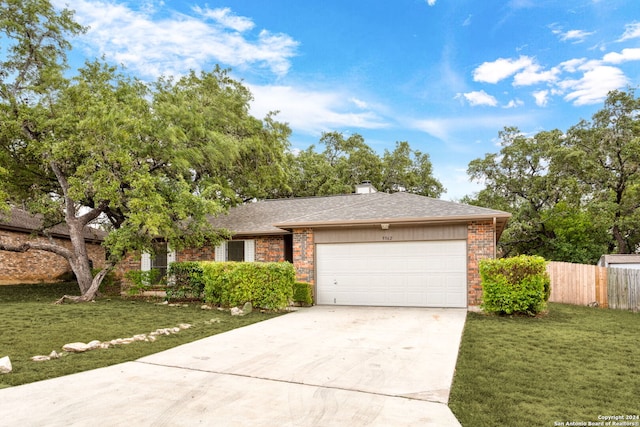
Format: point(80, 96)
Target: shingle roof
point(276, 216)
point(23, 221)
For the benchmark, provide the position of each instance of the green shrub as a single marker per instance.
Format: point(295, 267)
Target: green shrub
point(515, 285)
point(141, 280)
point(302, 293)
point(186, 281)
point(265, 284)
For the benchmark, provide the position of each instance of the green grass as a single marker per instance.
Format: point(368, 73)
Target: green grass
point(572, 365)
point(30, 325)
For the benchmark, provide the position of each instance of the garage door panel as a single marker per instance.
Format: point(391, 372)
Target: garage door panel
point(431, 274)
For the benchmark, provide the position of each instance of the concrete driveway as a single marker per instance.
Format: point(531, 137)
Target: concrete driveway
point(320, 366)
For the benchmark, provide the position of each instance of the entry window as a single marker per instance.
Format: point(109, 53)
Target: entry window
point(235, 250)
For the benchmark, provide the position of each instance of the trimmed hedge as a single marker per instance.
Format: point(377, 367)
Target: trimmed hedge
point(187, 281)
point(302, 293)
point(265, 284)
point(515, 285)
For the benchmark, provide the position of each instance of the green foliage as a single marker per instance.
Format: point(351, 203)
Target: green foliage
point(153, 159)
point(515, 285)
point(302, 293)
point(141, 280)
point(346, 162)
point(187, 281)
point(573, 194)
point(267, 285)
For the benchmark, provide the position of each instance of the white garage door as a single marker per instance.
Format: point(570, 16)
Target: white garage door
point(410, 274)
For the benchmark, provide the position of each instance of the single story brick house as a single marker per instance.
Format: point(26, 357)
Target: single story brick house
point(366, 248)
point(36, 266)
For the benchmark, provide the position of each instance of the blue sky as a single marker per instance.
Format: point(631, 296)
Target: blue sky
point(444, 75)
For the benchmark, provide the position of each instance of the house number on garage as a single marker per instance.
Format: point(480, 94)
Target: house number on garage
point(387, 238)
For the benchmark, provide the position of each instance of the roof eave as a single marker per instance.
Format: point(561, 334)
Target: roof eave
point(501, 217)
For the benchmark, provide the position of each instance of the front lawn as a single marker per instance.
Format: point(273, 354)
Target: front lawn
point(570, 366)
point(32, 325)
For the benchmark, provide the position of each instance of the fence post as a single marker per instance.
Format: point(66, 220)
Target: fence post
point(601, 287)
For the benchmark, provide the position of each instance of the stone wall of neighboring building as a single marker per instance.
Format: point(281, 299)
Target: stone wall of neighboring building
point(35, 266)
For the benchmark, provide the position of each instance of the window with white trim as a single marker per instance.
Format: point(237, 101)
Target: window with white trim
point(236, 250)
point(159, 260)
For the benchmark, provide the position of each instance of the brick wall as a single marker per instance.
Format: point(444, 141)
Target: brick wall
point(303, 255)
point(36, 266)
point(480, 245)
point(205, 253)
point(269, 248)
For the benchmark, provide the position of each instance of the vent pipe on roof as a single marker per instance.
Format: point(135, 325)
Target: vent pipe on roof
point(365, 188)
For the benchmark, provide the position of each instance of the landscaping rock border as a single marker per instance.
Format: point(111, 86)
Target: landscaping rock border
point(80, 347)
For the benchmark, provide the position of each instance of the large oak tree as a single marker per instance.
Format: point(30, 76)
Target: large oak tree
point(147, 160)
point(574, 195)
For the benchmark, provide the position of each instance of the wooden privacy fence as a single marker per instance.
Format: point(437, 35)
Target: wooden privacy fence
point(582, 284)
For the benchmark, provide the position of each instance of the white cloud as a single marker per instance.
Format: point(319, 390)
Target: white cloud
point(632, 31)
point(445, 128)
point(500, 69)
point(575, 36)
point(533, 74)
point(541, 97)
point(594, 85)
point(632, 54)
point(226, 18)
point(514, 103)
point(476, 98)
point(431, 2)
point(175, 44)
point(572, 65)
point(314, 111)
point(359, 103)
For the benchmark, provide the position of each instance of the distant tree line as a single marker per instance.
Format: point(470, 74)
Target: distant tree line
point(345, 162)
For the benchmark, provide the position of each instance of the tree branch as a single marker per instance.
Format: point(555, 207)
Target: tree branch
point(93, 213)
point(70, 208)
point(48, 247)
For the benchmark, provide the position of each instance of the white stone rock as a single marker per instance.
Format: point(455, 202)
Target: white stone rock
point(247, 308)
point(126, 340)
point(175, 330)
point(40, 358)
point(5, 365)
point(184, 326)
point(151, 338)
point(75, 347)
point(92, 345)
point(235, 311)
point(140, 337)
point(206, 307)
point(54, 355)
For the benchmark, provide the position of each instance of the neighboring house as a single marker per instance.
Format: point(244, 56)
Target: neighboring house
point(372, 248)
point(620, 261)
point(35, 266)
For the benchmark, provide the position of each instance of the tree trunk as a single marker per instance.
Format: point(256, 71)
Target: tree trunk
point(90, 293)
